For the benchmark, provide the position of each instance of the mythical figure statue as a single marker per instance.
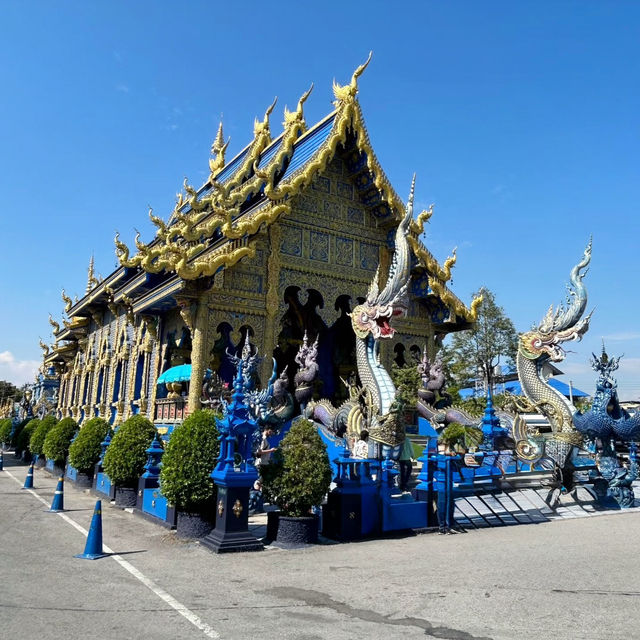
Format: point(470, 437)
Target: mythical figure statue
point(308, 371)
point(607, 421)
point(371, 323)
point(433, 381)
point(535, 349)
point(272, 405)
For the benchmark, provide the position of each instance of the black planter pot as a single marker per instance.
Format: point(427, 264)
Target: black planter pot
point(58, 470)
point(303, 530)
point(84, 480)
point(273, 518)
point(126, 497)
point(193, 525)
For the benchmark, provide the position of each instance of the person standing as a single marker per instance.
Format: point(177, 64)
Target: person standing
point(406, 464)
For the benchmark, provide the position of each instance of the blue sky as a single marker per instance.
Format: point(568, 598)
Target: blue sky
point(520, 119)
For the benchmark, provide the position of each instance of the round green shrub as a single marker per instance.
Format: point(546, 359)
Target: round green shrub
point(188, 461)
point(38, 436)
point(460, 437)
point(5, 431)
point(24, 439)
point(85, 450)
point(56, 444)
point(304, 471)
point(125, 457)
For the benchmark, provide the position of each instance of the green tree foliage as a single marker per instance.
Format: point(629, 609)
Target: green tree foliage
point(407, 382)
point(38, 437)
point(304, 472)
point(458, 436)
point(5, 431)
point(125, 457)
point(9, 390)
point(475, 353)
point(85, 450)
point(56, 444)
point(188, 461)
point(23, 441)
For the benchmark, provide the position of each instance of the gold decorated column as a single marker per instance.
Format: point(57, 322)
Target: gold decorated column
point(198, 356)
point(272, 298)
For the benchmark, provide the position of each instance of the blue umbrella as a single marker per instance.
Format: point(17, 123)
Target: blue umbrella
point(181, 373)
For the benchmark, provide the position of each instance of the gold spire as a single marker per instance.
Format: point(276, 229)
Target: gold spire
point(218, 143)
point(218, 148)
point(92, 281)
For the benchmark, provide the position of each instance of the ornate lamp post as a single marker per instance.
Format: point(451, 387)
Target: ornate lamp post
point(234, 474)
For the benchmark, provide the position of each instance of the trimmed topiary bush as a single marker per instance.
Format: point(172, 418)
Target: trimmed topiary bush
point(459, 437)
point(303, 474)
point(188, 461)
point(24, 439)
point(125, 457)
point(85, 450)
point(36, 443)
point(5, 431)
point(56, 444)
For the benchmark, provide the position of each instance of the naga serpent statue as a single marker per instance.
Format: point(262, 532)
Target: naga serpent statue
point(536, 348)
point(377, 409)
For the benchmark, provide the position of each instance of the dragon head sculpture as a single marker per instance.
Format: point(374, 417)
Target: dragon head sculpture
point(374, 316)
point(562, 324)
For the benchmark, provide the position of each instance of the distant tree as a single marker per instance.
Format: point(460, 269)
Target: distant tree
point(474, 353)
point(9, 390)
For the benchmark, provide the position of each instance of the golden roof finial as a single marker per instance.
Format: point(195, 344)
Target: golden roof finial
point(68, 302)
point(54, 324)
point(292, 118)
point(218, 143)
point(218, 149)
point(261, 128)
point(45, 348)
point(348, 92)
point(92, 281)
point(475, 304)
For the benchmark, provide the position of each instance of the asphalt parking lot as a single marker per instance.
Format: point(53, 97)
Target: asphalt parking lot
point(570, 579)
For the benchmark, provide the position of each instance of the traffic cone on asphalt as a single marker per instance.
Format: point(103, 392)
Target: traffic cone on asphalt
point(57, 504)
point(93, 548)
point(1, 460)
point(28, 481)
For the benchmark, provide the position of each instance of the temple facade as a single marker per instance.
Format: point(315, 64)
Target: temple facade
point(279, 242)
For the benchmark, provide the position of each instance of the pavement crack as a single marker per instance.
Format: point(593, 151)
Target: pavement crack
point(318, 599)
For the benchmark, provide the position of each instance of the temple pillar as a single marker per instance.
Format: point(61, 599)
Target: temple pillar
point(198, 355)
point(272, 299)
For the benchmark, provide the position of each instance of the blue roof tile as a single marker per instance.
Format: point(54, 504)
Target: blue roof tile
point(307, 146)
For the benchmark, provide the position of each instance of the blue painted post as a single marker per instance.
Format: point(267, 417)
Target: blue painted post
point(1, 460)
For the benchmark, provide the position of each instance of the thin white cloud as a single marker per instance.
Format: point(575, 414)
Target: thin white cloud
point(622, 335)
point(17, 371)
point(122, 88)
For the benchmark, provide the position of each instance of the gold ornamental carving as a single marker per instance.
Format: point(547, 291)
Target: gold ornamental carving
point(237, 508)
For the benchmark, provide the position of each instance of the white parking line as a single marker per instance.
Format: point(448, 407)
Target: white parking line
point(147, 582)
